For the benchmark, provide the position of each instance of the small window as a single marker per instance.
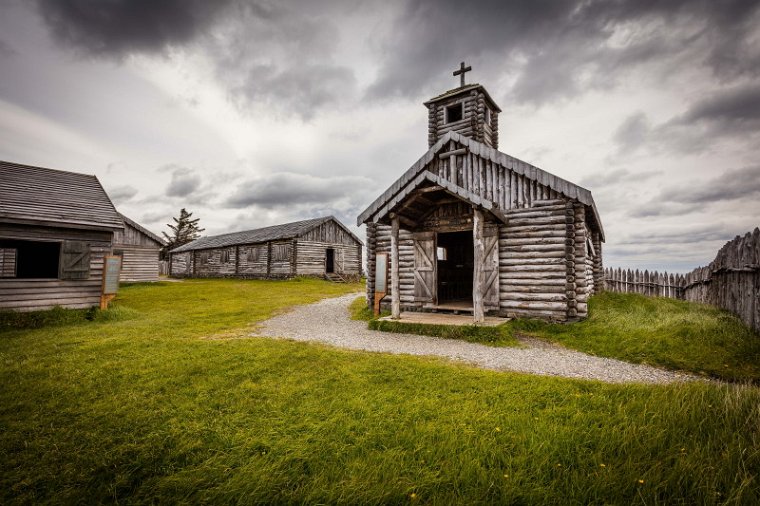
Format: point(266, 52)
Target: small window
point(35, 259)
point(253, 254)
point(203, 258)
point(441, 253)
point(454, 113)
point(224, 256)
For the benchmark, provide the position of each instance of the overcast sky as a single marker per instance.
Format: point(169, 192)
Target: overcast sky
point(254, 113)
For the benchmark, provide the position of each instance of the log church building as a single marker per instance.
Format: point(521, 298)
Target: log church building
point(470, 229)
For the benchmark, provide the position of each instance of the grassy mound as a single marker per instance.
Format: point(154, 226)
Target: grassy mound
point(659, 331)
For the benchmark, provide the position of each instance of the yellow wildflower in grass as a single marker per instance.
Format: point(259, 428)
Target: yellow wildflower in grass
point(602, 465)
point(413, 496)
point(559, 465)
point(506, 476)
point(498, 429)
point(641, 482)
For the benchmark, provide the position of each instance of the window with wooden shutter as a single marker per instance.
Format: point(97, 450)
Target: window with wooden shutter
point(75, 260)
point(8, 262)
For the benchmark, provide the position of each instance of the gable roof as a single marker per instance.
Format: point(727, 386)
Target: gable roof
point(36, 195)
point(547, 179)
point(143, 230)
point(258, 235)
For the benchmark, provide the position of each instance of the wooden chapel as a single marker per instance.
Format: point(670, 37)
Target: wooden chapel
point(470, 229)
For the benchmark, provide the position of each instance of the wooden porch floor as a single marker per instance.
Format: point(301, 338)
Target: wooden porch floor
point(445, 319)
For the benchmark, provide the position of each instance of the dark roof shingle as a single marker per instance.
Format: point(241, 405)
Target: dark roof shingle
point(38, 195)
point(273, 233)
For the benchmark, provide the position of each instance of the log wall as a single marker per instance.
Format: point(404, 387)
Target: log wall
point(731, 281)
point(39, 294)
point(275, 259)
point(138, 264)
point(473, 123)
point(533, 272)
point(545, 270)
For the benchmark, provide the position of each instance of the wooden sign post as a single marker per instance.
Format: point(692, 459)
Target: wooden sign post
point(381, 280)
point(111, 271)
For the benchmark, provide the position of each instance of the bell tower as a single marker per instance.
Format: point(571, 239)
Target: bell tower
point(467, 110)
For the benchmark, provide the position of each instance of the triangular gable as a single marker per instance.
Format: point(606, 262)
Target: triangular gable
point(517, 166)
point(425, 178)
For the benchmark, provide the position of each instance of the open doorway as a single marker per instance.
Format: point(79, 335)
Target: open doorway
point(455, 255)
point(330, 261)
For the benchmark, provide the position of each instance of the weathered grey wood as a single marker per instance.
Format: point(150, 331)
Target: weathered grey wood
point(478, 280)
point(395, 297)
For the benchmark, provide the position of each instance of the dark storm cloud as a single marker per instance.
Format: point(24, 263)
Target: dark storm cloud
point(184, 182)
point(691, 235)
point(285, 189)
point(727, 110)
point(725, 113)
point(305, 89)
point(273, 54)
point(616, 176)
point(120, 27)
point(556, 48)
point(730, 185)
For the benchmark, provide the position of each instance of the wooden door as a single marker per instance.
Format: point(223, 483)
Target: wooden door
point(330, 261)
point(491, 266)
point(425, 268)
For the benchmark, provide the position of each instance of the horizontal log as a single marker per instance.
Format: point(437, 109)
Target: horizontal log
point(548, 220)
point(532, 227)
point(532, 275)
point(536, 247)
point(552, 306)
point(552, 239)
point(505, 281)
point(537, 297)
point(543, 288)
point(558, 268)
point(503, 255)
point(539, 260)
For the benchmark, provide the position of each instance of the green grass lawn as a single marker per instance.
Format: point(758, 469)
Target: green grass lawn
point(163, 402)
point(659, 331)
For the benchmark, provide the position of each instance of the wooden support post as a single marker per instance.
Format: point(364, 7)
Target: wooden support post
point(395, 295)
point(237, 260)
point(477, 271)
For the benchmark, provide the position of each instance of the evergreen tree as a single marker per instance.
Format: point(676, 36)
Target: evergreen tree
point(184, 230)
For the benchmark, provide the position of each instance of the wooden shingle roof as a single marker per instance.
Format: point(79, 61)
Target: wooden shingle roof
point(259, 235)
point(40, 196)
point(525, 169)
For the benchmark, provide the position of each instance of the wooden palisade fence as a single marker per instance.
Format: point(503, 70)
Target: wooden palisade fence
point(731, 281)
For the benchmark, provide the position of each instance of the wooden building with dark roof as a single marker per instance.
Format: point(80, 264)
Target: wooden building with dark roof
point(139, 249)
point(321, 247)
point(471, 229)
point(55, 229)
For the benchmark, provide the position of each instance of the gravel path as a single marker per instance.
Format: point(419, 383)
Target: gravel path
point(328, 322)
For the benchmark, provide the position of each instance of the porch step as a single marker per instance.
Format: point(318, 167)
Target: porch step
point(334, 277)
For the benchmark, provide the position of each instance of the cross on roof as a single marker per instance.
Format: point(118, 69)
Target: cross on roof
point(461, 72)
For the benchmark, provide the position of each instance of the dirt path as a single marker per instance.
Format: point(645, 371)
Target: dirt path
point(328, 322)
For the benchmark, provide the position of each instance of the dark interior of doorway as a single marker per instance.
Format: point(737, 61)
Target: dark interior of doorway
point(455, 260)
point(330, 261)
